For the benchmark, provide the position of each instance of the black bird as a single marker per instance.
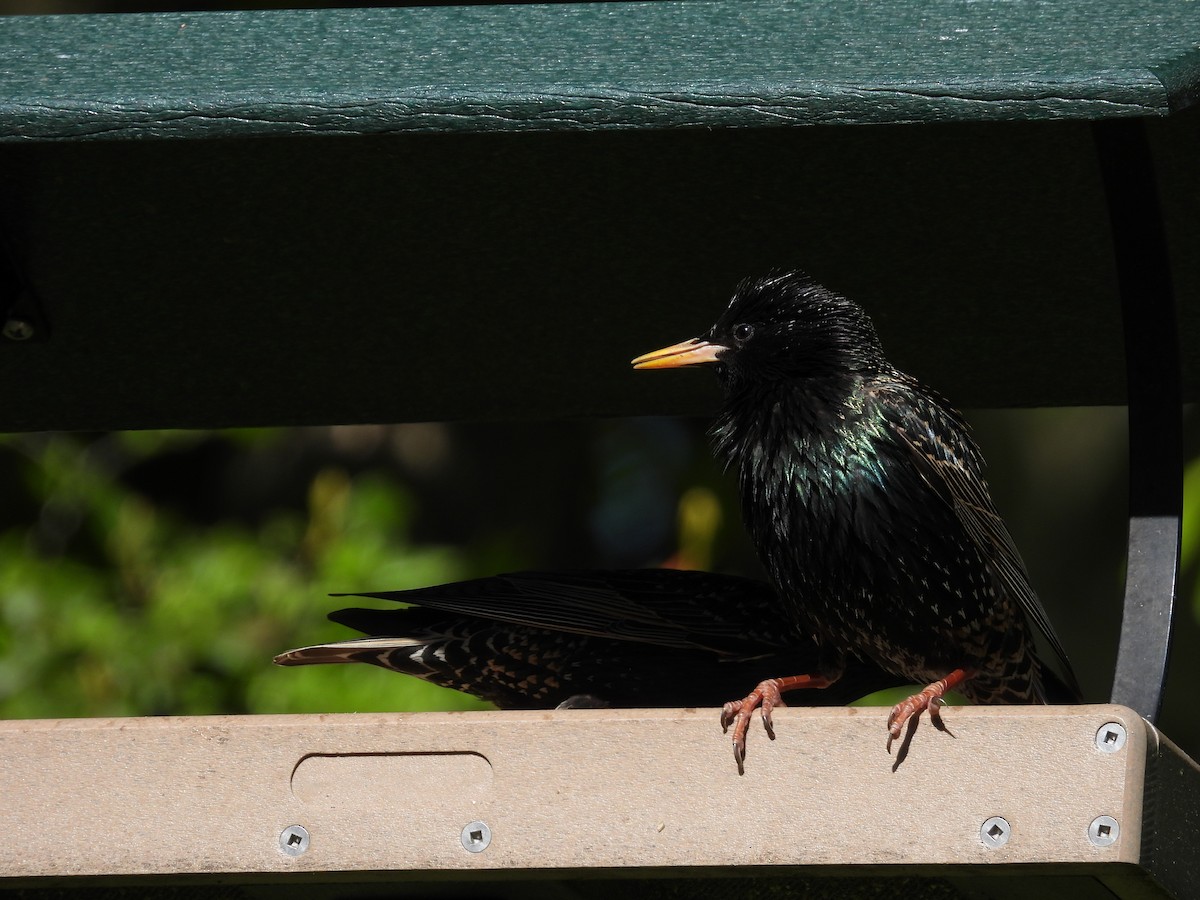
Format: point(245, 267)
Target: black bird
point(864, 495)
point(643, 637)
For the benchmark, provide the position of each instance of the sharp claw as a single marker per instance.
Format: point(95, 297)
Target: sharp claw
point(909, 710)
point(765, 697)
point(728, 713)
point(768, 725)
point(935, 708)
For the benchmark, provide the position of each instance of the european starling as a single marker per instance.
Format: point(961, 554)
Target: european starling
point(646, 637)
point(864, 496)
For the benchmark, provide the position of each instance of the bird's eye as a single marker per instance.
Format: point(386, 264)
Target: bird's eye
point(743, 332)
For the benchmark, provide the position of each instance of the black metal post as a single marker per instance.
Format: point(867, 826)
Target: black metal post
point(1155, 412)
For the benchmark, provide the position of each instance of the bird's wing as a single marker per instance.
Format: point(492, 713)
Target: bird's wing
point(520, 667)
point(939, 444)
point(732, 616)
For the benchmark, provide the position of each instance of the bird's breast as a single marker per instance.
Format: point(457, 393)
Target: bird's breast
point(862, 550)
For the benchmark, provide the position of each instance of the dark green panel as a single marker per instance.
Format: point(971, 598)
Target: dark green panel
point(521, 233)
point(441, 277)
point(592, 65)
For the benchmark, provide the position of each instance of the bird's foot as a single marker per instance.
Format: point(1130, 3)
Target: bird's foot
point(931, 698)
point(737, 713)
point(765, 697)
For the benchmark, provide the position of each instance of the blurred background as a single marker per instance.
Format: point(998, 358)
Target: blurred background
point(157, 573)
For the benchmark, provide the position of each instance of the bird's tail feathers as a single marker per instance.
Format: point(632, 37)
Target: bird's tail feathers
point(358, 650)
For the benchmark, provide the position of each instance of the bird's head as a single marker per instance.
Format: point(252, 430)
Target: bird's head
point(780, 327)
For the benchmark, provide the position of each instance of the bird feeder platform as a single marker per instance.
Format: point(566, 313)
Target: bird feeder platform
point(343, 802)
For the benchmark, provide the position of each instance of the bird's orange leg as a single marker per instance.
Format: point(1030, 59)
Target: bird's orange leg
point(930, 698)
point(766, 697)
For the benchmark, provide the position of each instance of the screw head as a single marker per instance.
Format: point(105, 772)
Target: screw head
point(1104, 831)
point(476, 836)
point(995, 832)
point(18, 329)
point(1111, 737)
point(294, 840)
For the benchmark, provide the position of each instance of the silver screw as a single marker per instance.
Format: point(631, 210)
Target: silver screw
point(995, 832)
point(294, 840)
point(1111, 737)
point(1103, 831)
point(18, 330)
point(476, 836)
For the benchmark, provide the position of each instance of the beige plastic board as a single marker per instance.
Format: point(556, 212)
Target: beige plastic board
point(578, 790)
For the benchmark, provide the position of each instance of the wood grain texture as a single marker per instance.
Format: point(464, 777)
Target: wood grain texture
point(584, 789)
point(591, 66)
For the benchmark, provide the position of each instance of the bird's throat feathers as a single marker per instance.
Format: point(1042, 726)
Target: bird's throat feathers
point(807, 422)
point(802, 449)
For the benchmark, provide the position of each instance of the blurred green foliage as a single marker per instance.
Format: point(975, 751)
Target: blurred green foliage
point(152, 573)
point(1190, 544)
point(111, 604)
point(114, 604)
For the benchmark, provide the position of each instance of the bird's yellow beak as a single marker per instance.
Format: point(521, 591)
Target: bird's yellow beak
point(688, 353)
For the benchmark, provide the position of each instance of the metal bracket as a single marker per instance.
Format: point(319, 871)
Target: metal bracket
point(1155, 412)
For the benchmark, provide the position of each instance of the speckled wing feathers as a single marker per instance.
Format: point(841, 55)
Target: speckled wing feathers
point(676, 609)
point(951, 465)
point(515, 664)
